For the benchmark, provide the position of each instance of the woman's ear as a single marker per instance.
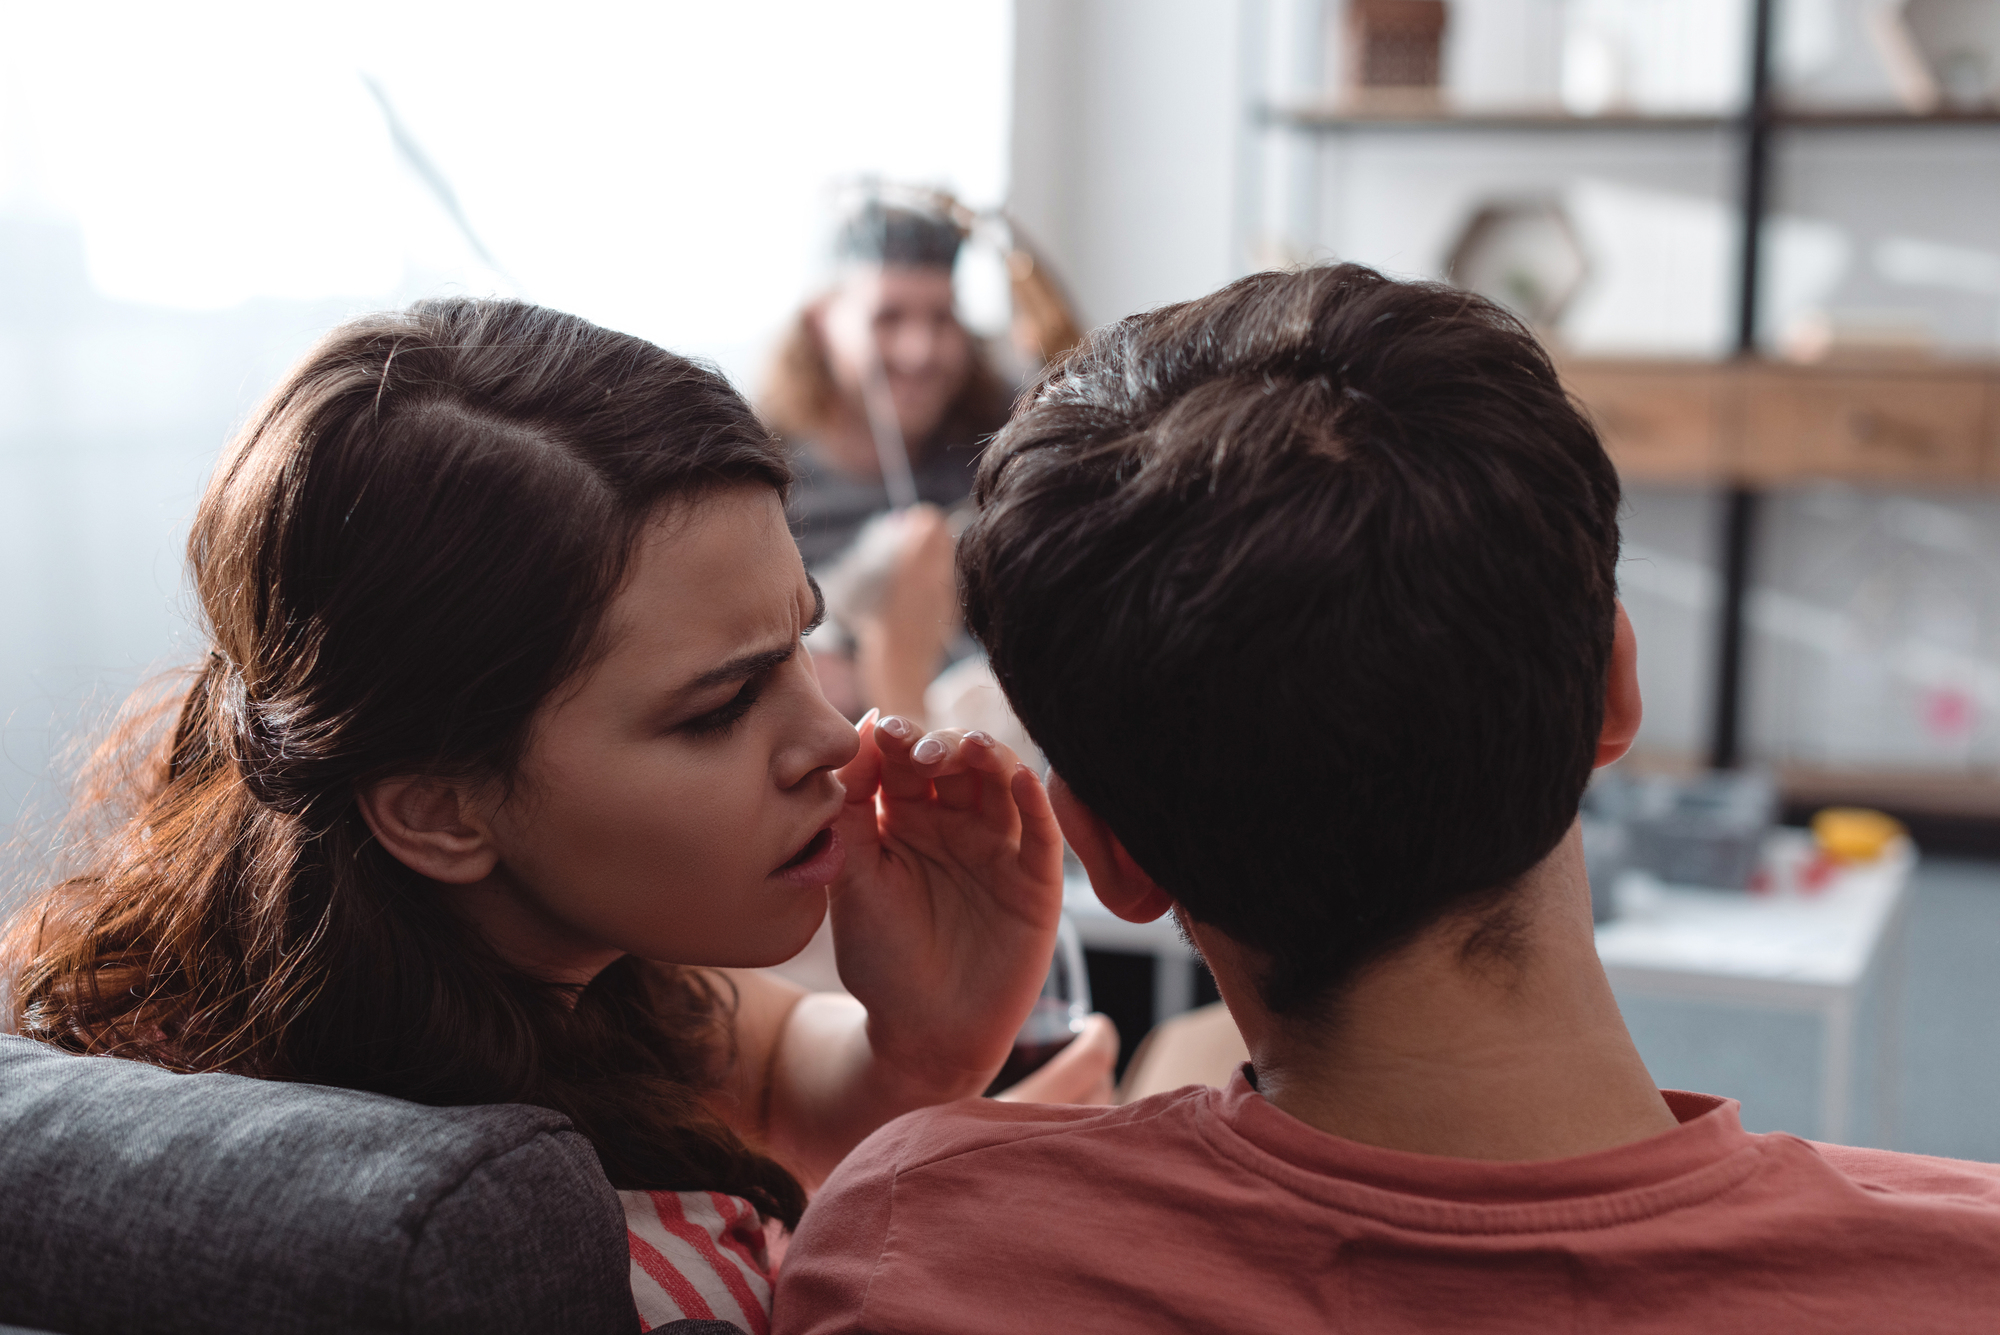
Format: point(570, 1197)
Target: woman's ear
point(1121, 884)
point(1622, 710)
point(431, 827)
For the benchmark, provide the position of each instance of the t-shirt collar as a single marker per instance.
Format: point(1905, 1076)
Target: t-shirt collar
point(1708, 1152)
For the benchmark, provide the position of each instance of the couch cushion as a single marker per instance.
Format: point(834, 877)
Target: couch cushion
point(134, 1199)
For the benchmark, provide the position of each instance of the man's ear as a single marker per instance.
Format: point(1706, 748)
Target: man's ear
point(431, 827)
point(1622, 710)
point(1121, 884)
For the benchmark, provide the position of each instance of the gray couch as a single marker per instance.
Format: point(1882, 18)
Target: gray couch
point(135, 1200)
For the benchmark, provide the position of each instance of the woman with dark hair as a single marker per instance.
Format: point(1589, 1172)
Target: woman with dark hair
point(507, 769)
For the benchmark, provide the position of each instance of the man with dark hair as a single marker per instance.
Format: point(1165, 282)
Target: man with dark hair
point(1308, 591)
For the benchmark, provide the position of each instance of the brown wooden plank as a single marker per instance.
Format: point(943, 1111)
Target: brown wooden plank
point(1974, 794)
point(1660, 421)
point(1864, 426)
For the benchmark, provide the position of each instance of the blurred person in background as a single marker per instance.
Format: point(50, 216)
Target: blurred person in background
point(878, 387)
point(875, 371)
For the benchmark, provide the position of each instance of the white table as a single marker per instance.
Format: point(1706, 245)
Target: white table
point(1792, 949)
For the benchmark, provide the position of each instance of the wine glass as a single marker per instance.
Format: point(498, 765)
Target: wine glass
point(1058, 1013)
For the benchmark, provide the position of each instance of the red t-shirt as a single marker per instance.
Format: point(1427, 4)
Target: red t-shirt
point(1210, 1210)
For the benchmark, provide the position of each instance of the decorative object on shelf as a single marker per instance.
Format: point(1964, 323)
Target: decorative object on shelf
point(1594, 76)
point(1707, 830)
point(1944, 55)
point(1393, 54)
point(1523, 254)
point(1651, 57)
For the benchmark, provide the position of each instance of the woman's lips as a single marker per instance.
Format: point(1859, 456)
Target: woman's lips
point(818, 862)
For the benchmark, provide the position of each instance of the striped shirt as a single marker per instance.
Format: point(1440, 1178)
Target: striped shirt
point(698, 1256)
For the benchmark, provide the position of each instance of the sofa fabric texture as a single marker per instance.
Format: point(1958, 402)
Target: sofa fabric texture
point(132, 1198)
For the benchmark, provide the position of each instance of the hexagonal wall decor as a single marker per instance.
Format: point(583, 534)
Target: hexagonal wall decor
point(1944, 55)
point(1523, 254)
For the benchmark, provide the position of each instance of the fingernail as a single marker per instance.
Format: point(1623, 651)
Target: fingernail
point(897, 726)
point(927, 751)
point(978, 738)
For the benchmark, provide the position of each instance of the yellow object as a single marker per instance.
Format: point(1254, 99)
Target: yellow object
point(1855, 834)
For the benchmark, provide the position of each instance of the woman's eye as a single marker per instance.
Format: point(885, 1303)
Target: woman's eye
point(720, 720)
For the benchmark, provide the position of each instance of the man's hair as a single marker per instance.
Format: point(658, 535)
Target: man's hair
point(879, 233)
point(1307, 590)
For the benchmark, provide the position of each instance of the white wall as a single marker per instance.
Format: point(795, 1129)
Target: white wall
point(190, 194)
point(111, 414)
point(1123, 163)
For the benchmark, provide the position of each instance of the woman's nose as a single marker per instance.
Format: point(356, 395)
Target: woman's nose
point(825, 741)
point(912, 347)
point(841, 741)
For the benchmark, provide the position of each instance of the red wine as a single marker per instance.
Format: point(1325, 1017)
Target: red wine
point(1024, 1060)
point(1055, 1018)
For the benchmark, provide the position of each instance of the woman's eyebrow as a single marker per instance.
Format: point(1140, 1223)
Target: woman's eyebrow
point(745, 666)
point(740, 668)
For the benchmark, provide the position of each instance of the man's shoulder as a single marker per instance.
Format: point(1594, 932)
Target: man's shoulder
point(1004, 1130)
point(1893, 1172)
point(964, 1179)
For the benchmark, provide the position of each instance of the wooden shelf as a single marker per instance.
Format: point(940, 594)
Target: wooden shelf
point(1323, 118)
point(1884, 119)
point(1314, 118)
point(1889, 423)
point(1961, 796)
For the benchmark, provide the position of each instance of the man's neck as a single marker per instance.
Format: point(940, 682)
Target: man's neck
point(1508, 1050)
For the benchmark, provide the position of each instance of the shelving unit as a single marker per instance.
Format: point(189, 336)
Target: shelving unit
point(1747, 423)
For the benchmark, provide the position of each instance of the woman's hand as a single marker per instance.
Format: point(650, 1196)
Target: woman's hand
point(944, 925)
point(944, 921)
